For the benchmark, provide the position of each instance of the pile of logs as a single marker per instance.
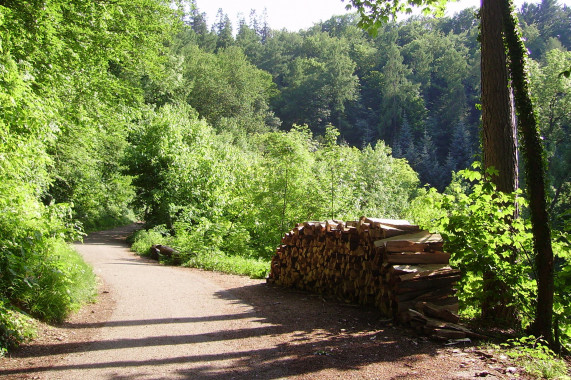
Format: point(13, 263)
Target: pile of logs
point(383, 262)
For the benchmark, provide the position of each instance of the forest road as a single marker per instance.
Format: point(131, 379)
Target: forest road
point(161, 322)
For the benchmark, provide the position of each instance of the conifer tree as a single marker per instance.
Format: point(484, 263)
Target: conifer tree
point(223, 30)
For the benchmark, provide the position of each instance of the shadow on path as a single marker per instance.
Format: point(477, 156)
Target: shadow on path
point(305, 334)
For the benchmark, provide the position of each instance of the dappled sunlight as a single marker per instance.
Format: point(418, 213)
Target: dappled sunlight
point(290, 333)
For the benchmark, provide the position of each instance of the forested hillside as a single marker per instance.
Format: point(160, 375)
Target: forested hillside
point(222, 138)
point(415, 85)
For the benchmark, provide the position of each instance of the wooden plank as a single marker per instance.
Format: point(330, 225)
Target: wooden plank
point(445, 302)
point(418, 258)
point(388, 231)
point(411, 286)
point(436, 311)
point(395, 223)
point(445, 334)
point(425, 295)
point(434, 323)
point(422, 237)
point(403, 269)
point(405, 246)
point(443, 272)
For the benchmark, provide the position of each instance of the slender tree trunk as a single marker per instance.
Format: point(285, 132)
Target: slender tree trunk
point(535, 174)
point(283, 227)
point(499, 140)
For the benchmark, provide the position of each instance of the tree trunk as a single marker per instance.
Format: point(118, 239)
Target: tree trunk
point(498, 118)
point(499, 140)
point(535, 175)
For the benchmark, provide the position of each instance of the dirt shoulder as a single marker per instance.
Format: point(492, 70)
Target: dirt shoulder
point(158, 322)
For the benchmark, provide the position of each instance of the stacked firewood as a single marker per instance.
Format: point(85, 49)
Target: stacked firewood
point(383, 262)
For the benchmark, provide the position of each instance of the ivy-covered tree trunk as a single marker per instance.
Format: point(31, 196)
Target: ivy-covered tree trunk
point(532, 150)
point(499, 140)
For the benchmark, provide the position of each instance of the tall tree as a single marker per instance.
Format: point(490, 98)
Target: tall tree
point(398, 93)
point(318, 83)
point(249, 41)
point(223, 30)
point(197, 22)
point(499, 138)
point(226, 89)
point(535, 173)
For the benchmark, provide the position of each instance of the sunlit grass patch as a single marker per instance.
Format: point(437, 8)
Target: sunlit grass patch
point(254, 268)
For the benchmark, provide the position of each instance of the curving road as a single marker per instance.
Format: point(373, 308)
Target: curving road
point(179, 323)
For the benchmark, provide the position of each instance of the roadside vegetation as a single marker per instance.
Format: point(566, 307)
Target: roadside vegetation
point(222, 141)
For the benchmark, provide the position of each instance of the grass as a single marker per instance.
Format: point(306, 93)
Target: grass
point(244, 266)
point(208, 259)
point(535, 358)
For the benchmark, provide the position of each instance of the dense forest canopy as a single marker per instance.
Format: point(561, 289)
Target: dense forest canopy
point(415, 85)
point(223, 137)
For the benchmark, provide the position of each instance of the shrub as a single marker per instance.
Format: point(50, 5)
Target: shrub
point(15, 327)
point(482, 235)
point(143, 239)
point(195, 250)
point(51, 280)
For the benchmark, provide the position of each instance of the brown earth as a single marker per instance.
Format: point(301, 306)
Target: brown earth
point(158, 322)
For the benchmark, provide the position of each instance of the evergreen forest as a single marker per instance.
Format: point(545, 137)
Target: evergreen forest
point(222, 137)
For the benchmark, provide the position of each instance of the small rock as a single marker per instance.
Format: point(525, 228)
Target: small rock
point(511, 370)
point(484, 354)
point(452, 342)
point(482, 373)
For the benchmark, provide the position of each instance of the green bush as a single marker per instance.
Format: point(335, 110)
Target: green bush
point(195, 250)
point(143, 239)
point(482, 235)
point(41, 273)
point(476, 222)
point(50, 280)
point(15, 327)
point(562, 297)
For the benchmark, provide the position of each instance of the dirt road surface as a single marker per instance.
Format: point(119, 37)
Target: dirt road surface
point(159, 322)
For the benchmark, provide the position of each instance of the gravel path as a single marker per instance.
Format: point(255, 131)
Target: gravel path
point(159, 322)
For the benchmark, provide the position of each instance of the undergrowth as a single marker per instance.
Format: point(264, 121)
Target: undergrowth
point(535, 357)
point(57, 283)
point(199, 256)
point(48, 285)
point(216, 261)
point(16, 327)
